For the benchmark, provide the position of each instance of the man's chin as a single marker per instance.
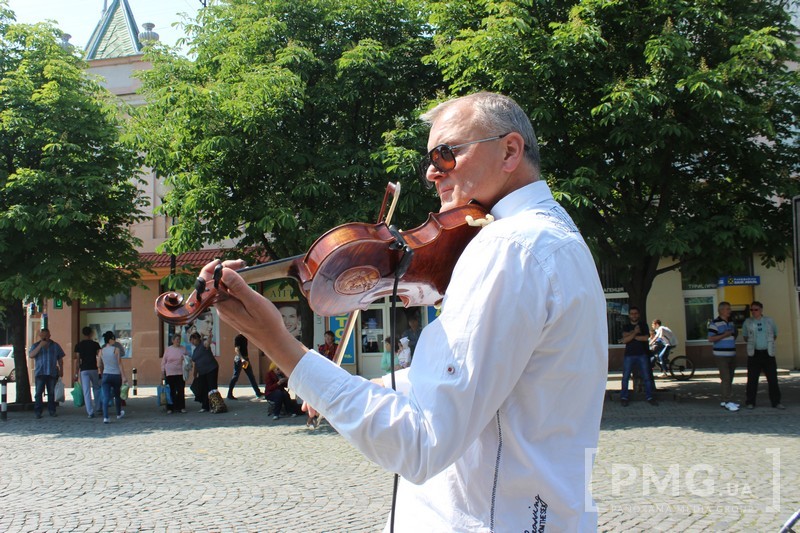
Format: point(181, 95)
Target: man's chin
point(449, 202)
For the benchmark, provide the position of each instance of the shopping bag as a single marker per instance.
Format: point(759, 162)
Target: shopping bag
point(77, 394)
point(164, 396)
point(123, 391)
point(216, 403)
point(58, 393)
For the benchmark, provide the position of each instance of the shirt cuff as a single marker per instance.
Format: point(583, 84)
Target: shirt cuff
point(316, 379)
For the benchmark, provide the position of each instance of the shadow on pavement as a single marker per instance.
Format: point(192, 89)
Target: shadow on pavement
point(692, 404)
point(144, 416)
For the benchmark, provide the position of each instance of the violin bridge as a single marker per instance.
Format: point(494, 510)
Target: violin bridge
point(481, 222)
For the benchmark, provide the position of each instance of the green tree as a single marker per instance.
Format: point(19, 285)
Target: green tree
point(68, 186)
point(273, 132)
point(668, 127)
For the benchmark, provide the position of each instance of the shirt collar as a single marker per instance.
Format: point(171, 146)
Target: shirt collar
point(533, 193)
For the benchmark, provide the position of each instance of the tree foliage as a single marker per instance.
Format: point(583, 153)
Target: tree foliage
point(668, 127)
point(272, 133)
point(68, 186)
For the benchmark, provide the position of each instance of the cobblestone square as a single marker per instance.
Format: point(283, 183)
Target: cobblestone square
point(686, 465)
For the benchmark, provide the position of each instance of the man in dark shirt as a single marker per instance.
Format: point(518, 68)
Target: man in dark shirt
point(635, 336)
point(206, 370)
point(412, 333)
point(86, 352)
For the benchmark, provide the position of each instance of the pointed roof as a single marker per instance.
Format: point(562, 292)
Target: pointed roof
point(116, 35)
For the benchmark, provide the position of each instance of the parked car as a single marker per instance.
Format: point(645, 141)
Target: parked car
point(7, 363)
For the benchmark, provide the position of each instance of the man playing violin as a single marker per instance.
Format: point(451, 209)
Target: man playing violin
point(491, 427)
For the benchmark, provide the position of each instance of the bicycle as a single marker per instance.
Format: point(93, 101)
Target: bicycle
point(681, 367)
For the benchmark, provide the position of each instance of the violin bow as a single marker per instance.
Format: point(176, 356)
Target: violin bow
point(350, 325)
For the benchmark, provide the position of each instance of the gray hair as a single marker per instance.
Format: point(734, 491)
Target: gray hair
point(497, 114)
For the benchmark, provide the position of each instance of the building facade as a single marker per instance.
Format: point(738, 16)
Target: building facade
point(114, 54)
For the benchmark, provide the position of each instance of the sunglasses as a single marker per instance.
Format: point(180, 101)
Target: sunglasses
point(443, 158)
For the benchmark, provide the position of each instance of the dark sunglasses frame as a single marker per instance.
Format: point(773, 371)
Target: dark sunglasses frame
point(444, 153)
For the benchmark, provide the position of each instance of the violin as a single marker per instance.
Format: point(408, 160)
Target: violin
point(354, 264)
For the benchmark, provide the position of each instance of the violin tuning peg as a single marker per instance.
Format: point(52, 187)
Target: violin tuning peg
point(199, 287)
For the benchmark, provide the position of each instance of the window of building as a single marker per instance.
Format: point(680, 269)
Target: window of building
point(117, 301)
point(113, 314)
point(616, 302)
point(699, 307)
point(616, 317)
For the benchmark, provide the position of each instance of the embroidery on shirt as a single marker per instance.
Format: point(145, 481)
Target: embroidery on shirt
point(496, 470)
point(538, 516)
point(559, 218)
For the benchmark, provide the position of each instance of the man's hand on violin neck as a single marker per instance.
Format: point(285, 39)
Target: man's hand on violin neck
point(254, 316)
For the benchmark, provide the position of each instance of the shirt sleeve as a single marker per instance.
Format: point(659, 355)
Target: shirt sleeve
point(456, 383)
point(402, 385)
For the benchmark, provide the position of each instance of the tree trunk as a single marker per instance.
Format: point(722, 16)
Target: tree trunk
point(638, 286)
point(16, 322)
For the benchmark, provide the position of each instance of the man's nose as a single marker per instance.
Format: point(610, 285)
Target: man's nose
point(432, 174)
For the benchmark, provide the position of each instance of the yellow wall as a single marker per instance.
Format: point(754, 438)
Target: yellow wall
point(776, 292)
point(780, 299)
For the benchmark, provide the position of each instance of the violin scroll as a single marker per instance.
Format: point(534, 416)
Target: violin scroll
point(173, 308)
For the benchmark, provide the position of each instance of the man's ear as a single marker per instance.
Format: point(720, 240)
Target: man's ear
point(514, 146)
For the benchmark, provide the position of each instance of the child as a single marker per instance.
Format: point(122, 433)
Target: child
point(405, 353)
point(386, 360)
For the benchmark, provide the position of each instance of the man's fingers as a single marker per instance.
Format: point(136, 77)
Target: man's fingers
point(207, 271)
point(308, 409)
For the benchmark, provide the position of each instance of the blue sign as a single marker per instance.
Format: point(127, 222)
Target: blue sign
point(727, 281)
point(433, 313)
point(337, 324)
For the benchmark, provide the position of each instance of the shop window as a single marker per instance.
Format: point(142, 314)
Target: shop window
point(114, 315)
point(700, 310)
point(117, 301)
point(616, 317)
point(372, 331)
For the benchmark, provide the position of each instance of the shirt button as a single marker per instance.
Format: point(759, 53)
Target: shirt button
point(451, 369)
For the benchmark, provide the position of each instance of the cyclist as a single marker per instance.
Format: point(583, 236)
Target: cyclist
point(662, 341)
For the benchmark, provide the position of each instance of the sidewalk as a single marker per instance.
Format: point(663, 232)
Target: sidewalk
point(705, 385)
point(686, 465)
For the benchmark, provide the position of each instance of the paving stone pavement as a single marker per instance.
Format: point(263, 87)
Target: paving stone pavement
point(686, 465)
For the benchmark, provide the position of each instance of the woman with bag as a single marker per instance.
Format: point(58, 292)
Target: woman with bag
point(110, 364)
point(172, 372)
point(206, 371)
